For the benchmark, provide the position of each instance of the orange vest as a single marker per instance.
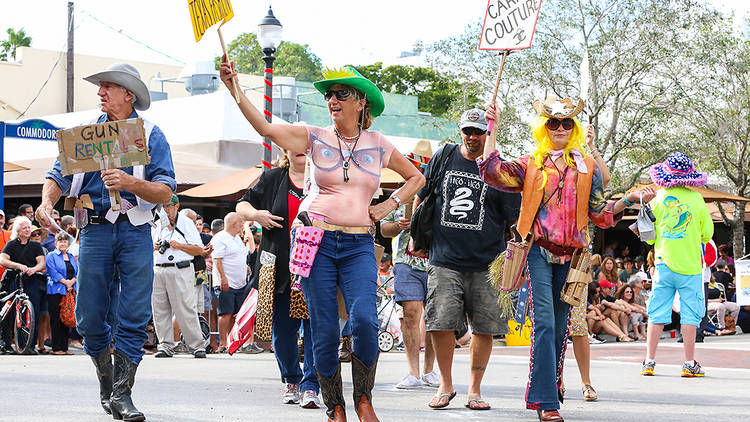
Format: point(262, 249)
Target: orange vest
point(531, 197)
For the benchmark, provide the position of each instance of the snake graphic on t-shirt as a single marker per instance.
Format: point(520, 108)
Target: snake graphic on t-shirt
point(460, 204)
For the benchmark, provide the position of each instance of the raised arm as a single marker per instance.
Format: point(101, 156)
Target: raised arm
point(290, 137)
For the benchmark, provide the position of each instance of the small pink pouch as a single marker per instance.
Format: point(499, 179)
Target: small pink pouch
point(306, 241)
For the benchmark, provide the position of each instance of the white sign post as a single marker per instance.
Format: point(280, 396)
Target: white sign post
point(508, 25)
point(742, 281)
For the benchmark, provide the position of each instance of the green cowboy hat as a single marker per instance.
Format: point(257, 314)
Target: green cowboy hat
point(348, 75)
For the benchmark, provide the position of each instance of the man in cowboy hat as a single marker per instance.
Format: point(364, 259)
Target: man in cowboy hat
point(410, 283)
point(682, 223)
point(116, 239)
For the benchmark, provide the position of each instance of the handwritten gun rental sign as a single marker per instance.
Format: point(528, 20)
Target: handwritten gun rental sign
point(103, 146)
point(508, 25)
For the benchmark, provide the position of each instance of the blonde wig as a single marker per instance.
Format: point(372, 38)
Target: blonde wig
point(544, 144)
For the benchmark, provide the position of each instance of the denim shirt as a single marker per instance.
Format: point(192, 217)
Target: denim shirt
point(57, 271)
point(160, 169)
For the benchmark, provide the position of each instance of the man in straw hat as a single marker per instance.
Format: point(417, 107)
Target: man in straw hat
point(410, 283)
point(682, 223)
point(116, 239)
point(466, 211)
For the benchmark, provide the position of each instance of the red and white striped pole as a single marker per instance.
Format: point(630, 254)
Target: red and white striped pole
point(268, 73)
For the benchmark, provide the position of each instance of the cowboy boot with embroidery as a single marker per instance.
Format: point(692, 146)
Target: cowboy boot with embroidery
point(363, 379)
point(124, 378)
point(103, 365)
point(332, 390)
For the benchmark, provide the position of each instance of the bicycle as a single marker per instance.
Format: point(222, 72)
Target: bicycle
point(24, 323)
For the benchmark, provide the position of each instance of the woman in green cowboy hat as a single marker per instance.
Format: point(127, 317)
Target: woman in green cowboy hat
point(346, 160)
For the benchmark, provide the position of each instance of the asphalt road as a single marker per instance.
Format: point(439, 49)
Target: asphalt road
point(248, 388)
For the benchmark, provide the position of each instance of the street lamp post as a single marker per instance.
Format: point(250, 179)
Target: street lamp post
point(269, 38)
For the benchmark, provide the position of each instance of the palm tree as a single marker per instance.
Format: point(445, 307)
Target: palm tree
point(15, 39)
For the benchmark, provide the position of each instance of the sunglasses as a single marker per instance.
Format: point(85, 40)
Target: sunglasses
point(553, 124)
point(468, 131)
point(341, 94)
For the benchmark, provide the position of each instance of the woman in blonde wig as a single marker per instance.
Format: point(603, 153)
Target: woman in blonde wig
point(561, 191)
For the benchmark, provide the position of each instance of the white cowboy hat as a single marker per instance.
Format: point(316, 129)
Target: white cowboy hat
point(126, 76)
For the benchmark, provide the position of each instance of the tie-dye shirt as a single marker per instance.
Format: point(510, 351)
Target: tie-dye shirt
point(556, 221)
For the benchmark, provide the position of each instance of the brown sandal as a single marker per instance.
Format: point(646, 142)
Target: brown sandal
point(589, 394)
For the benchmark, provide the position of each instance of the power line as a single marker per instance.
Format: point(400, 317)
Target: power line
point(121, 32)
point(54, 66)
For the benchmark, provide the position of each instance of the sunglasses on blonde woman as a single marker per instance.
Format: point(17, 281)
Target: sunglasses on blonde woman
point(553, 124)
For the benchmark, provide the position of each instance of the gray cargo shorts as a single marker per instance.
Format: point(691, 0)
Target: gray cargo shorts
point(452, 295)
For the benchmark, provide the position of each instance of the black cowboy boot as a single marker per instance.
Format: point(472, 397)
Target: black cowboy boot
point(124, 378)
point(363, 379)
point(332, 390)
point(103, 365)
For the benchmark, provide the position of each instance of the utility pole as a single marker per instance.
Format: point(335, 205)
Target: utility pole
point(69, 105)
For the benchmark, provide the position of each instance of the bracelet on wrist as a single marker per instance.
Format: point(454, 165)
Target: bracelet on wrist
point(626, 201)
point(396, 199)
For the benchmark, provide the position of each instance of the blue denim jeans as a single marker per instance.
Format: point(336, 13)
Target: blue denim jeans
point(105, 247)
point(346, 261)
point(549, 318)
point(284, 339)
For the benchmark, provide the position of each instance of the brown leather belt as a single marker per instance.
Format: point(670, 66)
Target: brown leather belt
point(346, 229)
point(555, 249)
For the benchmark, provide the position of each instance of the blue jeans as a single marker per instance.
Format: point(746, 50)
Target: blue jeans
point(105, 247)
point(549, 318)
point(284, 339)
point(346, 261)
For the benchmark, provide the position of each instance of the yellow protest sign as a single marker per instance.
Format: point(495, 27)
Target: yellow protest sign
point(205, 13)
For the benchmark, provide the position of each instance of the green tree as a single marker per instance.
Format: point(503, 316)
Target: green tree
point(15, 39)
point(435, 91)
point(291, 59)
point(630, 52)
point(713, 83)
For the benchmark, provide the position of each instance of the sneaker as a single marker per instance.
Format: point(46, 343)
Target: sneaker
point(600, 338)
point(692, 371)
point(162, 354)
point(291, 394)
point(409, 382)
point(593, 340)
point(309, 400)
point(181, 348)
point(251, 348)
point(432, 379)
point(345, 350)
point(648, 369)
point(199, 354)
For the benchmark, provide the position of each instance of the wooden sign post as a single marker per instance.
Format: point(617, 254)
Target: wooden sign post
point(103, 146)
point(508, 25)
point(206, 13)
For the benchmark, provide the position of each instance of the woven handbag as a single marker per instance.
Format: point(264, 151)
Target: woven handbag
point(576, 283)
point(508, 271)
point(68, 309)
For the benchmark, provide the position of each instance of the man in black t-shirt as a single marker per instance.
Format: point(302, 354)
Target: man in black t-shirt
point(722, 274)
point(468, 233)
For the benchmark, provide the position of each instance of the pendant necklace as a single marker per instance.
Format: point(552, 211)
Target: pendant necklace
point(345, 161)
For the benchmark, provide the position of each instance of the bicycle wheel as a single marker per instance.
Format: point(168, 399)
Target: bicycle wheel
point(24, 327)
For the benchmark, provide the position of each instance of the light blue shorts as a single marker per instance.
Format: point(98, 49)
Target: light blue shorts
point(690, 288)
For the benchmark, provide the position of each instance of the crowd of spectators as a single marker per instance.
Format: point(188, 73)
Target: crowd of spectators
point(618, 295)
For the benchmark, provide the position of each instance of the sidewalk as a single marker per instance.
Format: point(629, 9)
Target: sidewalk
point(247, 387)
